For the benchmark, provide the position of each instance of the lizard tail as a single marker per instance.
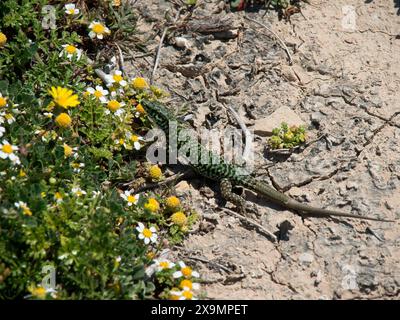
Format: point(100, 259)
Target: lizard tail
point(295, 205)
point(287, 202)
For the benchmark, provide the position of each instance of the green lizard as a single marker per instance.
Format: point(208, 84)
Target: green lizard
point(217, 169)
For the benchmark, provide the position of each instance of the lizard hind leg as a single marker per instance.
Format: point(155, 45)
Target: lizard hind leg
point(227, 194)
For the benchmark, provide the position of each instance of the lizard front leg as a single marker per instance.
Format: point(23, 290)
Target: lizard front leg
point(227, 194)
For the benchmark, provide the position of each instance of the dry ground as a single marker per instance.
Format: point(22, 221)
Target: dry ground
point(344, 81)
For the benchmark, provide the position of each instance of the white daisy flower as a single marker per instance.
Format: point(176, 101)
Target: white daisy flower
point(98, 30)
point(115, 107)
point(22, 205)
point(185, 294)
point(95, 193)
point(58, 197)
point(2, 130)
point(121, 142)
point(78, 191)
point(189, 285)
point(7, 151)
point(99, 93)
point(131, 199)
point(116, 77)
point(8, 117)
point(77, 166)
point(70, 9)
point(185, 271)
point(135, 139)
point(163, 264)
point(71, 51)
point(147, 235)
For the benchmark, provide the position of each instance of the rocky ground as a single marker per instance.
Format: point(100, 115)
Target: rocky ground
point(344, 84)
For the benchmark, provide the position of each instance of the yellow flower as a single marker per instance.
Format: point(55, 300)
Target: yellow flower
point(155, 172)
point(152, 205)
point(179, 218)
point(3, 39)
point(3, 101)
point(38, 292)
point(63, 120)
point(67, 150)
point(64, 97)
point(172, 202)
point(22, 173)
point(140, 109)
point(139, 83)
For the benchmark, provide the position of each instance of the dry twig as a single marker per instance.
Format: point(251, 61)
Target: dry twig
point(251, 222)
point(157, 60)
point(277, 37)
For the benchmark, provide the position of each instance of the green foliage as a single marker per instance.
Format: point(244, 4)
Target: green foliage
point(60, 206)
point(284, 137)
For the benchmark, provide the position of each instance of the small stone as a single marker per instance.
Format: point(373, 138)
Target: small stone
point(264, 126)
point(182, 42)
point(289, 74)
point(352, 185)
point(182, 188)
point(306, 258)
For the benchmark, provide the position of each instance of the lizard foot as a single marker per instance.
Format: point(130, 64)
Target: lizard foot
point(227, 194)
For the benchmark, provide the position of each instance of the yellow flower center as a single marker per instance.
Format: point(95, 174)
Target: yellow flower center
point(147, 233)
point(186, 283)
point(113, 105)
point(26, 211)
point(58, 196)
point(70, 49)
point(140, 109)
point(3, 102)
point(131, 198)
point(187, 271)
point(3, 39)
point(187, 294)
point(98, 28)
point(67, 150)
point(71, 11)
point(117, 78)
point(134, 138)
point(98, 94)
point(8, 116)
point(39, 292)
point(173, 294)
point(63, 120)
point(164, 264)
point(121, 141)
point(7, 148)
point(22, 173)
